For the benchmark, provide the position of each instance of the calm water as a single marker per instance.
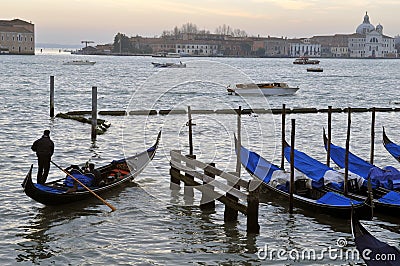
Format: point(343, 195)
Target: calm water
point(152, 225)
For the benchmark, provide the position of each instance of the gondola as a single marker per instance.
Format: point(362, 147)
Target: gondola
point(328, 179)
point(114, 174)
point(373, 251)
point(387, 177)
point(330, 203)
point(391, 147)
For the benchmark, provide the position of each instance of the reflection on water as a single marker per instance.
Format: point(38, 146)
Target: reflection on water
point(150, 225)
point(41, 231)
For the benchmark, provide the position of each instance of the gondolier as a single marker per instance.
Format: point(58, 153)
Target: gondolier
point(44, 148)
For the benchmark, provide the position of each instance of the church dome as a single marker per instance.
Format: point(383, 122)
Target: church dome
point(366, 26)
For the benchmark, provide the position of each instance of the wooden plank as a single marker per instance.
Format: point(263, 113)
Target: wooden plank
point(234, 179)
point(218, 196)
point(211, 181)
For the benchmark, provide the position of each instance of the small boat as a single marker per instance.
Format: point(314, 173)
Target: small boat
point(387, 178)
point(173, 55)
point(373, 251)
point(114, 175)
point(391, 147)
point(169, 55)
point(328, 179)
point(79, 62)
point(315, 69)
point(267, 89)
point(276, 179)
point(305, 61)
point(169, 65)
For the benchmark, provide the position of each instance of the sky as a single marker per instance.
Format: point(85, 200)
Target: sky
point(71, 21)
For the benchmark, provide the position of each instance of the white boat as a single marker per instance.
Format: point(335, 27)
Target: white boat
point(169, 55)
point(173, 55)
point(267, 89)
point(79, 62)
point(170, 65)
point(305, 61)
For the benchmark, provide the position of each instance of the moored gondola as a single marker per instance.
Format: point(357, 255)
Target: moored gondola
point(275, 180)
point(373, 251)
point(113, 175)
point(386, 178)
point(391, 147)
point(326, 178)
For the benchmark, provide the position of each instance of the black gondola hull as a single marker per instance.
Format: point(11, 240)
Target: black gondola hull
point(51, 195)
point(361, 210)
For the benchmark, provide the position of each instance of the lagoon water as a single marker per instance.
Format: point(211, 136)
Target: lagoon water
point(152, 225)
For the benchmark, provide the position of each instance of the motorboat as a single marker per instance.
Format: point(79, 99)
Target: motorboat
point(315, 69)
point(169, 65)
point(268, 89)
point(169, 55)
point(79, 62)
point(305, 61)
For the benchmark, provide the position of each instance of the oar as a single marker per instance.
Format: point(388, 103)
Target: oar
point(88, 189)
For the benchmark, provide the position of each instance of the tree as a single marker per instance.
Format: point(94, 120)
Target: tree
point(122, 44)
point(227, 30)
point(189, 28)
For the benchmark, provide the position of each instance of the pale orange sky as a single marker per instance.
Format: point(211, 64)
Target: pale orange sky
point(70, 21)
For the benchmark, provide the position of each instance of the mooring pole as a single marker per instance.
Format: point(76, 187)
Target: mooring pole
point(283, 136)
point(51, 96)
point(291, 188)
point(346, 158)
point(371, 160)
point(94, 113)
point(328, 149)
point(190, 131)
point(239, 141)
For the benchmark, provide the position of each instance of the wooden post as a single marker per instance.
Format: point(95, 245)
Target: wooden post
point(328, 149)
point(188, 189)
point(51, 96)
point(174, 173)
point(239, 142)
point(190, 131)
point(346, 158)
point(371, 197)
point(371, 160)
point(207, 202)
point(283, 136)
point(291, 188)
point(94, 113)
point(231, 214)
point(253, 203)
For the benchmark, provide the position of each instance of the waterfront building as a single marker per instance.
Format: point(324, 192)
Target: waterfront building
point(370, 42)
point(271, 47)
point(17, 37)
point(304, 47)
point(333, 45)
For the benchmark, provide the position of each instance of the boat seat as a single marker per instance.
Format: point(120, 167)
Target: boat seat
point(352, 185)
point(300, 186)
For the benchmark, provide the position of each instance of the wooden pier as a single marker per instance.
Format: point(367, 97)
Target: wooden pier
point(237, 194)
point(234, 111)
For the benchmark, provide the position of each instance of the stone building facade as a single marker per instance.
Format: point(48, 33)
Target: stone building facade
point(17, 37)
point(370, 42)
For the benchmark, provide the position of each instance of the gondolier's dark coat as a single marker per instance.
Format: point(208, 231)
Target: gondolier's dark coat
point(44, 147)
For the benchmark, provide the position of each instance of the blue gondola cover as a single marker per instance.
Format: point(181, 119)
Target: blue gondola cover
point(391, 197)
point(87, 180)
point(393, 149)
point(331, 198)
point(257, 165)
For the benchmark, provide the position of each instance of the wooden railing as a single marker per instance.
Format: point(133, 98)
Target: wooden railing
point(236, 194)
